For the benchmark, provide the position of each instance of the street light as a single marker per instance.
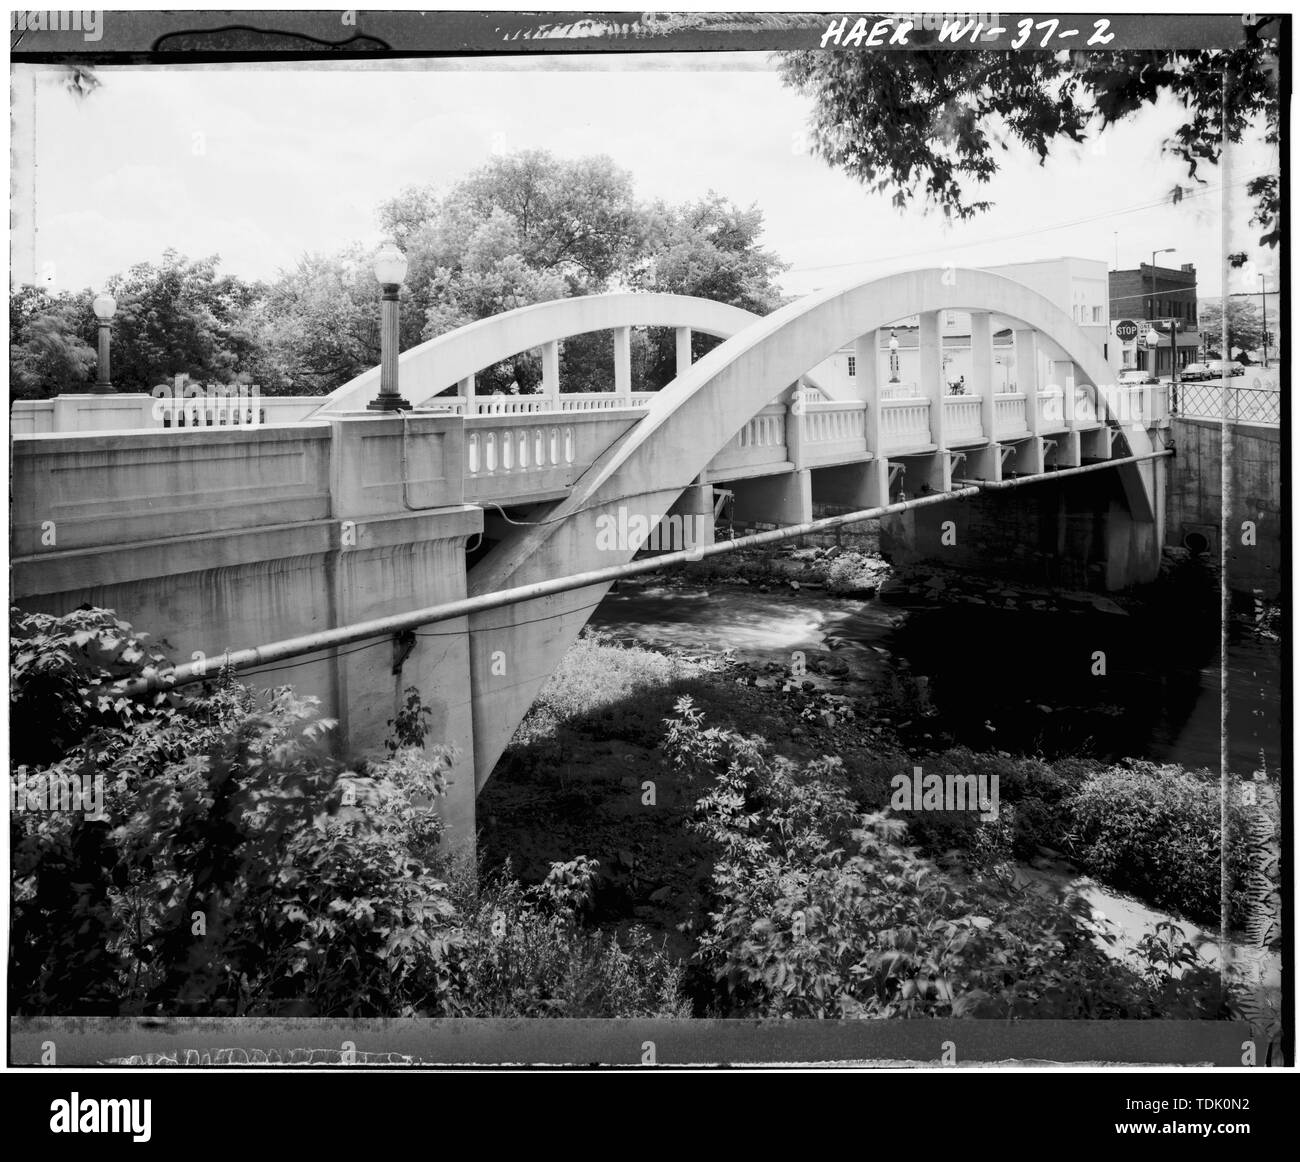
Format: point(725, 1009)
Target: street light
point(893, 357)
point(1151, 309)
point(390, 270)
point(105, 305)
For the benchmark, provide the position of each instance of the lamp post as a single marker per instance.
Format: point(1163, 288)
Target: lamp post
point(104, 307)
point(893, 357)
point(1153, 338)
point(1151, 310)
point(390, 270)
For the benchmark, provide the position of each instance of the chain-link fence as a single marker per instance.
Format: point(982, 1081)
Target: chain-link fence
point(1212, 401)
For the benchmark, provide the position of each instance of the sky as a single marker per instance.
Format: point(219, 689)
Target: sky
point(261, 164)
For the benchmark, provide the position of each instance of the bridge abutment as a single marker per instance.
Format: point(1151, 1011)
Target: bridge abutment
point(1078, 532)
point(776, 500)
point(232, 538)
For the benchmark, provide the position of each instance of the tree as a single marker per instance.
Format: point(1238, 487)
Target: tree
point(933, 122)
point(1245, 328)
point(577, 219)
point(48, 352)
point(179, 317)
point(523, 229)
point(710, 249)
point(319, 326)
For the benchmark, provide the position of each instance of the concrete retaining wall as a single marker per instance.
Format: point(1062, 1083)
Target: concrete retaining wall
point(1252, 469)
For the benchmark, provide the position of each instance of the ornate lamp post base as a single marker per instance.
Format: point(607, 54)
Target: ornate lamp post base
point(388, 403)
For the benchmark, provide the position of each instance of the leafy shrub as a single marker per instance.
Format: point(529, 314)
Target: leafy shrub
point(57, 668)
point(1154, 830)
point(1033, 797)
point(526, 954)
point(605, 690)
point(237, 866)
point(822, 911)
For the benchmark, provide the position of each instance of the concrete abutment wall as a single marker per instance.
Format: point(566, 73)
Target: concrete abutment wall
point(1077, 532)
point(1252, 469)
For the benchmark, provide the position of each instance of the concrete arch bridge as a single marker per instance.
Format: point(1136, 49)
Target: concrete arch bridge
point(220, 539)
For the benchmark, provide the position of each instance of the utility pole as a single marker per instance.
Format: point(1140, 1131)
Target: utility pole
point(1263, 306)
point(1173, 360)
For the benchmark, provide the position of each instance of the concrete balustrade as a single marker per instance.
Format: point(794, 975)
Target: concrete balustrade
point(905, 426)
point(1051, 411)
point(962, 423)
point(1010, 416)
point(758, 448)
point(833, 432)
point(137, 411)
point(517, 459)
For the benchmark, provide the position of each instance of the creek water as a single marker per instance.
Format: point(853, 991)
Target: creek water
point(1018, 680)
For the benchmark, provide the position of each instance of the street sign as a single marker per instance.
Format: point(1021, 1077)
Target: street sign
point(1126, 330)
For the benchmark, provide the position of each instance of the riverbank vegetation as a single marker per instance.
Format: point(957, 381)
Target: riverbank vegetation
point(664, 837)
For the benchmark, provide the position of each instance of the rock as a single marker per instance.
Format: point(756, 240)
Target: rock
point(809, 685)
point(795, 586)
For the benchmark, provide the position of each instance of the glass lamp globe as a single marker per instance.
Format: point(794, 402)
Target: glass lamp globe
point(390, 264)
point(104, 306)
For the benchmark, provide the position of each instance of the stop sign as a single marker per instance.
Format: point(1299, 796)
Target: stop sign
point(1126, 330)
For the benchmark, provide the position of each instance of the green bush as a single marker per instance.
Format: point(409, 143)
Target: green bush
point(1154, 831)
point(526, 954)
point(1033, 797)
point(237, 866)
point(822, 911)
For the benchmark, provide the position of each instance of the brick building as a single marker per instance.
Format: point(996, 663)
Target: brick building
point(1158, 296)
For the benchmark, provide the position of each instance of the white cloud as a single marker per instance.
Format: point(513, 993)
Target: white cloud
point(296, 159)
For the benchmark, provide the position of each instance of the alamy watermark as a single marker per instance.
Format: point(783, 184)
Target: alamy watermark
point(90, 23)
point(183, 403)
point(922, 792)
point(45, 792)
point(671, 532)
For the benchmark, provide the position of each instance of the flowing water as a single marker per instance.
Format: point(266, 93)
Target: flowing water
point(1019, 680)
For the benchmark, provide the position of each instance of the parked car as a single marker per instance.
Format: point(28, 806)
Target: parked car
point(1196, 371)
point(1224, 368)
point(1135, 375)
